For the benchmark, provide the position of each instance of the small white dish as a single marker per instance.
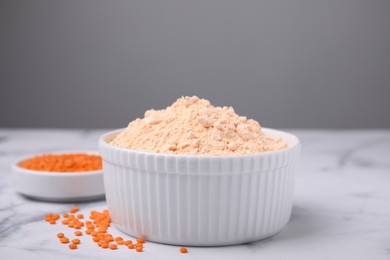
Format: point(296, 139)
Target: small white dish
point(58, 186)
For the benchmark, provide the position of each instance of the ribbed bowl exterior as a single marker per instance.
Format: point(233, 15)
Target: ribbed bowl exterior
point(199, 200)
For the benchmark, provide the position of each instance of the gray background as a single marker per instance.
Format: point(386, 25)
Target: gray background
point(92, 64)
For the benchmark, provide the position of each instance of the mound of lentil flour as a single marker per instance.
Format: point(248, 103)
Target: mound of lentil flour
point(194, 126)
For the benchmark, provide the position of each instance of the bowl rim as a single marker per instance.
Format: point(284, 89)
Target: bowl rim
point(16, 168)
point(295, 144)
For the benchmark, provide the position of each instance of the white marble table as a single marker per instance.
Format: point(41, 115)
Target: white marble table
point(341, 208)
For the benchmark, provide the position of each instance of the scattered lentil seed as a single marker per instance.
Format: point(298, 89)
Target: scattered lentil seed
point(101, 221)
point(74, 209)
point(64, 240)
point(73, 246)
point(76, 241)
point(140, 240)
point(76, 162)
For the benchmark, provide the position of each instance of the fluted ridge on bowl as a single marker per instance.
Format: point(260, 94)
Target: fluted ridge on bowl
point(180, 209)
point(199, 200)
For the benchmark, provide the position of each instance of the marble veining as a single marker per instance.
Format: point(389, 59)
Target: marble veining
point(341, 206)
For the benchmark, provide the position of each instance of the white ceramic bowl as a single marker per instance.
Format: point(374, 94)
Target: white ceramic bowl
point(199, 200)
point(59, 186)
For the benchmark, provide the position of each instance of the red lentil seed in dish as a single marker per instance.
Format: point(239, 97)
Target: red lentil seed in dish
point(67, 162)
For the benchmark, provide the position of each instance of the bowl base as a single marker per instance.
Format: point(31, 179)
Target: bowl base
point(72, 199)
point(200, 243)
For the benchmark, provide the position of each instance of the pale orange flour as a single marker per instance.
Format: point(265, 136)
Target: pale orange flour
point(194, 126)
